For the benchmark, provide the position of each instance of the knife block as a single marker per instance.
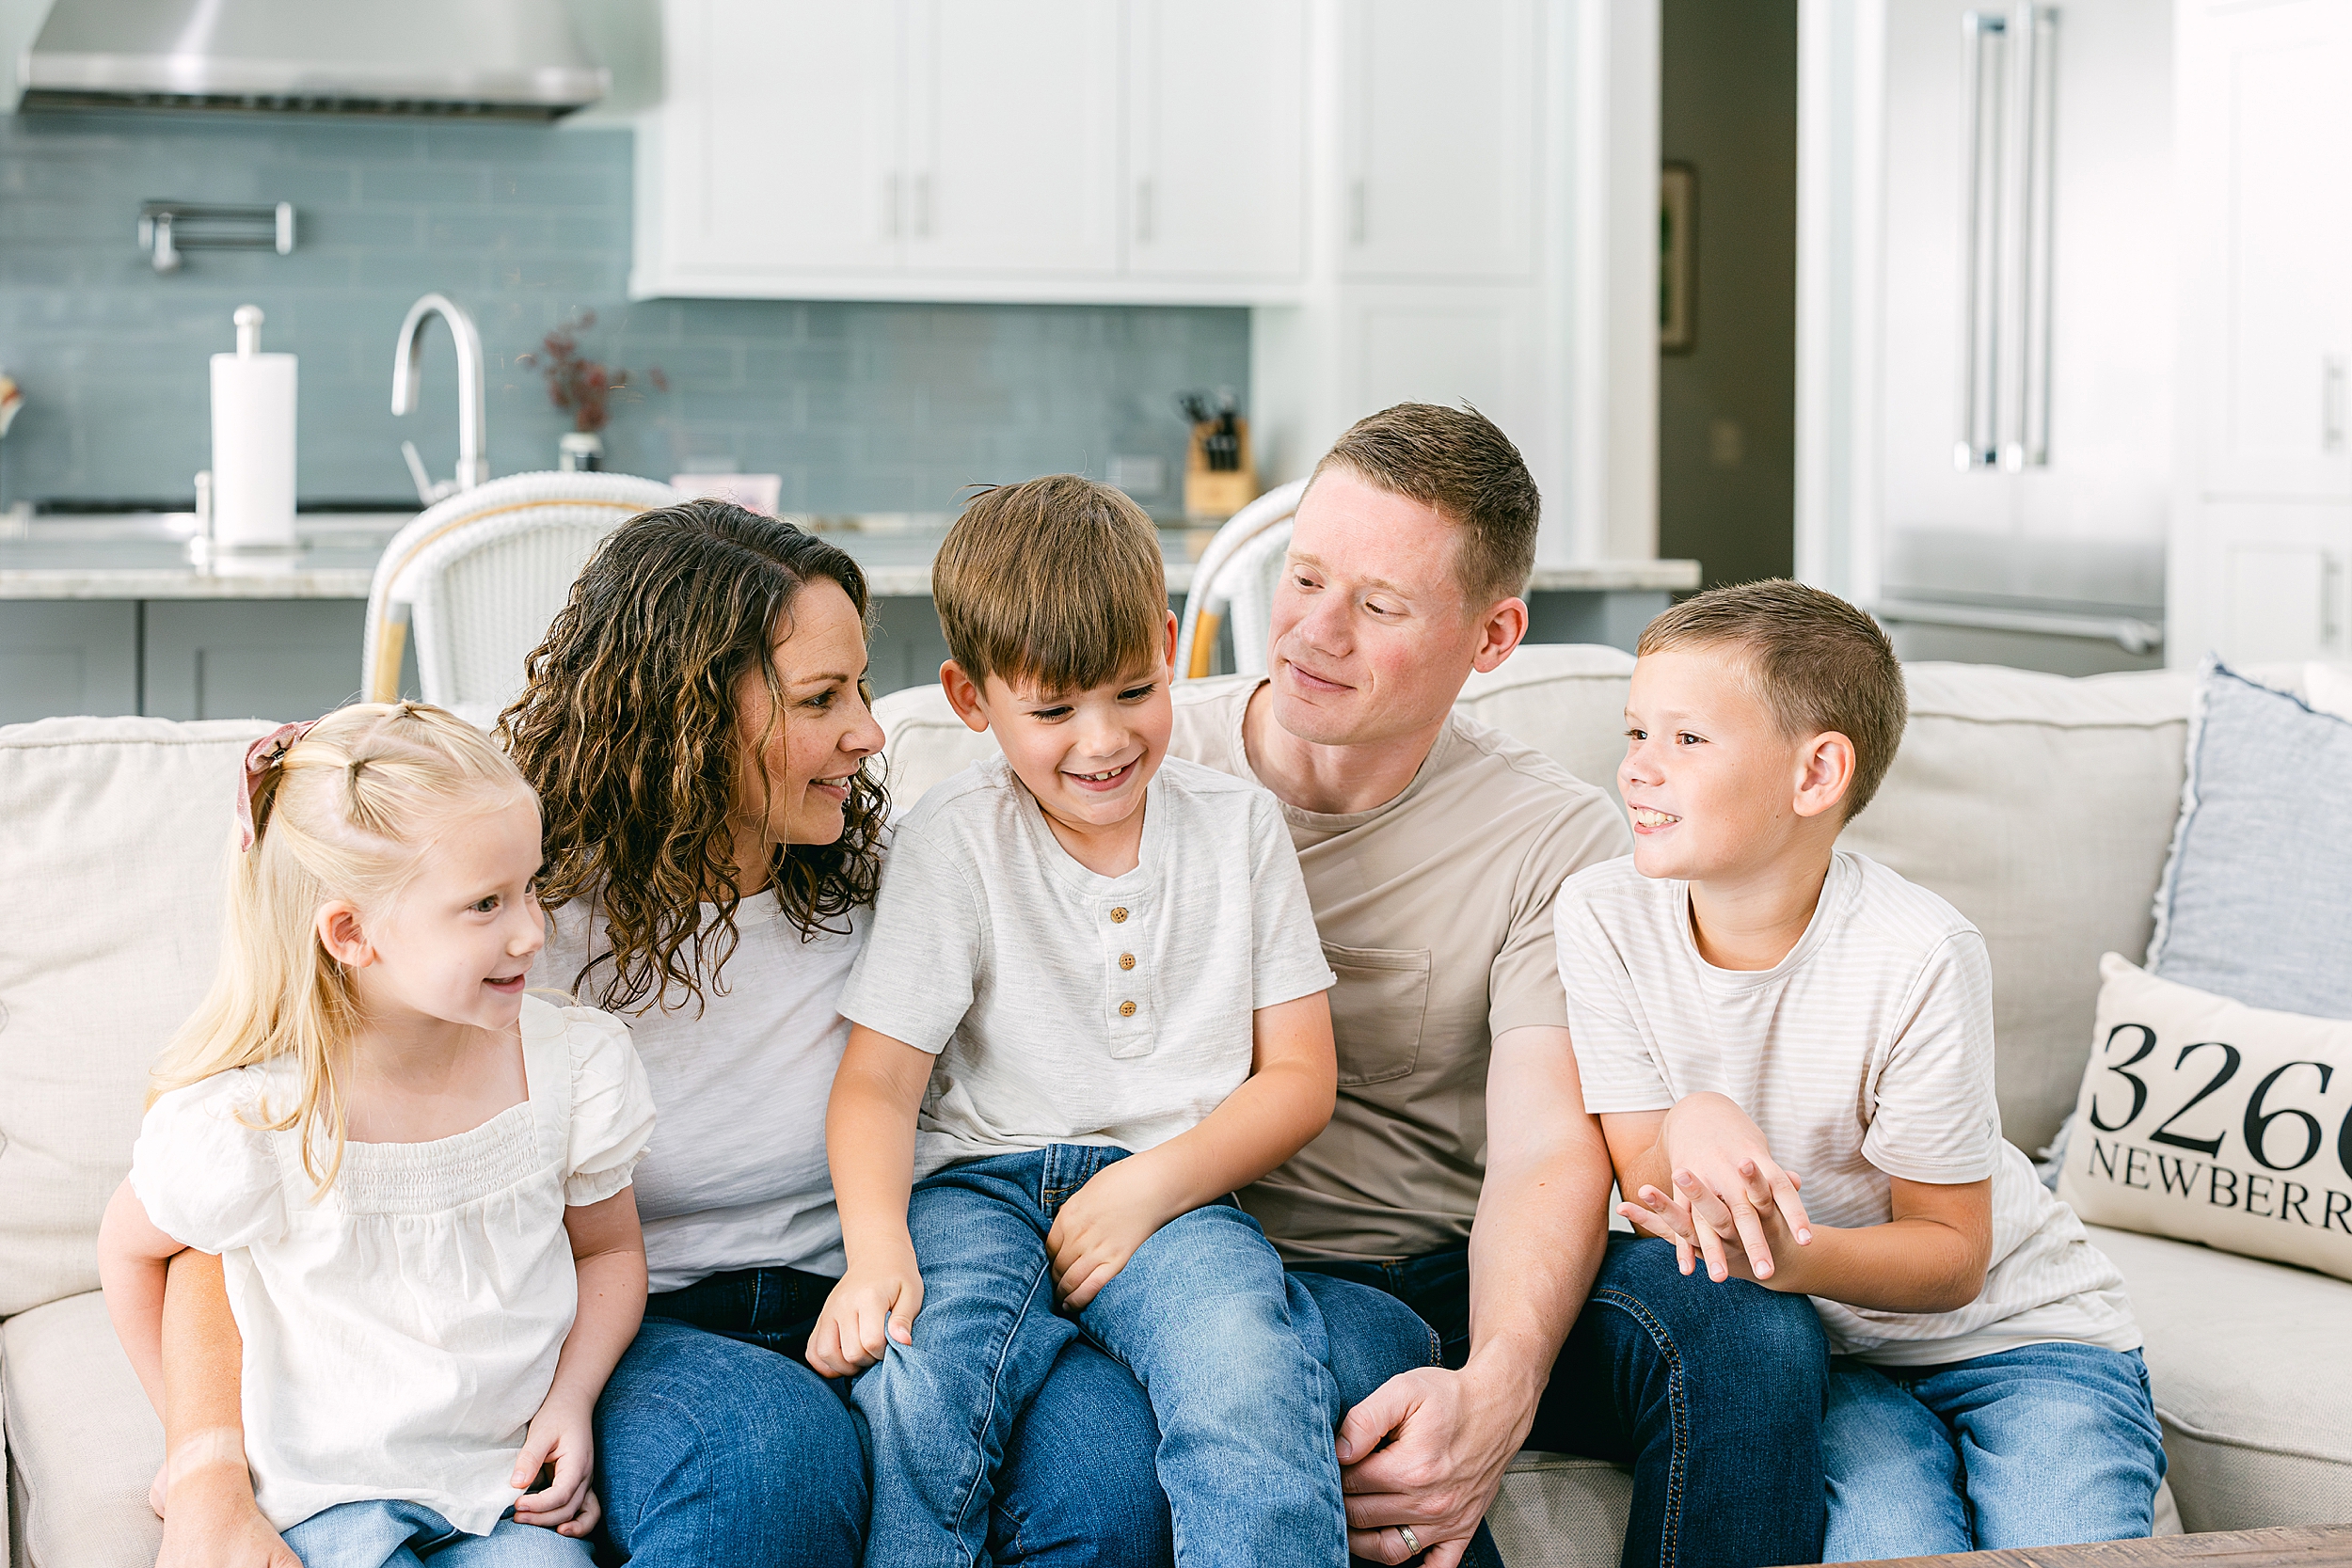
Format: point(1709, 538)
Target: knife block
point(1214, 494)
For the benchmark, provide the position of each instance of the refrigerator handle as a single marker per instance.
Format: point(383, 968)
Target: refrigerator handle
point(1982, 36)
point(2331, 402)
point(2036, 28)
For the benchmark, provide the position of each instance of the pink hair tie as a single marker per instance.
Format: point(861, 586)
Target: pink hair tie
point(261, 759)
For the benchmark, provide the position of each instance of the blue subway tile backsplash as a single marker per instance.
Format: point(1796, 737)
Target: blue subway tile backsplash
point(859, 406)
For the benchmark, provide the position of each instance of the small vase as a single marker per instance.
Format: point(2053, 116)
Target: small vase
point(579, 452)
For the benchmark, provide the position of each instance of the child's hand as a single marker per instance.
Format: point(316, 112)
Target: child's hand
point(564, 1435)
point(1724, 1170)
point(1101, 1225)
point(874, 1302)
point(1669, 1218)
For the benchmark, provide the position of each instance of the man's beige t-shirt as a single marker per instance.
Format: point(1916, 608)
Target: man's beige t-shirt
point(1434, 911)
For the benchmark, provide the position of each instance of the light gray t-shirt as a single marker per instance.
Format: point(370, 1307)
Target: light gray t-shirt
point(736, 1178)
point(1866, 1054)
point(1069, 1008)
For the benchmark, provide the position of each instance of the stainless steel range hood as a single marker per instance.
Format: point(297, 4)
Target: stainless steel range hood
point(513, 60)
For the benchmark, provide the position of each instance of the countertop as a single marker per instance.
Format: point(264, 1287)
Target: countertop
point(147, 555)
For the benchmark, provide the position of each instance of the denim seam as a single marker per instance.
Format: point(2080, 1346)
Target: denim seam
point(995, 1381)
point(1670, 1526)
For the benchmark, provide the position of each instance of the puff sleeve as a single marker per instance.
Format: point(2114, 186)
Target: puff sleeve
point(207, 1177)
point(611, 1108)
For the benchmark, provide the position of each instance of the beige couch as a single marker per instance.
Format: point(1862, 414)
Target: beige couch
point(2041, 806)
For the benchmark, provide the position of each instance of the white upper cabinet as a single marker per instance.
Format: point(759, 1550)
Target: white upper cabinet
point(1015, 130)
point(1216, 139)
point(779, 150)
point(1089, 151)
point(1441, 122)
point(2265, 119)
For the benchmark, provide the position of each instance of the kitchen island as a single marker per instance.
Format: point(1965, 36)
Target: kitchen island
point(121, 615)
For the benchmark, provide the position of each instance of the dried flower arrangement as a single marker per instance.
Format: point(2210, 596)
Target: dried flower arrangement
point(583, 386)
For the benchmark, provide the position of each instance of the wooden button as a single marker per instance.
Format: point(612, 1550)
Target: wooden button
point(1118, 916)
point(1126, 1010)
point(1126, 961)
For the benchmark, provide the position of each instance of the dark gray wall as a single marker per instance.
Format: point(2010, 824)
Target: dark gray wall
point(860, 406)
point(1730, 110)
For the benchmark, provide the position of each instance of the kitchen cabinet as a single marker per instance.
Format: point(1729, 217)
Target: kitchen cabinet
point(68, 655)
point(1440, 139)
point(1217, 127)
point(1074, 151)
point(2261, 531)
point(2264, 123)
point(232, 659)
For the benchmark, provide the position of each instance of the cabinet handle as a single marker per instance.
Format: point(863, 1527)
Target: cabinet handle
point(1143, 210)
point(2330, 600)
point(890, 205)
point(2331, 402)
point(1356, 212)
point(923, 206)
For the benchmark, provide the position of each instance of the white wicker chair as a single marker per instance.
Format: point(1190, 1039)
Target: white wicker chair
point(1234, 579)
point(481, 575)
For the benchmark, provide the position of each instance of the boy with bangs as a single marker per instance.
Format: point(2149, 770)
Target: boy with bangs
point(1091, 1006)
point(1748, 1003)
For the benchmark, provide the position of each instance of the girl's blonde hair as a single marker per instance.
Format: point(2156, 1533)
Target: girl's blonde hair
point(349, 811)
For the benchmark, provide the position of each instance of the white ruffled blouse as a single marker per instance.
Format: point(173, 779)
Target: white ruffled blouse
point(402, 1331)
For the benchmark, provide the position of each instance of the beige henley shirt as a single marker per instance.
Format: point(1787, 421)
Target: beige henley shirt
point(1434, 911)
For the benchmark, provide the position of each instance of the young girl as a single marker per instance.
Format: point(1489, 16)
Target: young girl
point(418, 1178)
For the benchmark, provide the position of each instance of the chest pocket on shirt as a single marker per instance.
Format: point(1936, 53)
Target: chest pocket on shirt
point(1377, 1009)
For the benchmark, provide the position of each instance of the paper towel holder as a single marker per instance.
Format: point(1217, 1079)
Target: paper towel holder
point(168, 228)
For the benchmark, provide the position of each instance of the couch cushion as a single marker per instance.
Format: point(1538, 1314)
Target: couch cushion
point(2249, 1366)
point(1556, 1511)
point(111, 848)
point(2251, 905)
point(2043, 808)
point(82, 1439)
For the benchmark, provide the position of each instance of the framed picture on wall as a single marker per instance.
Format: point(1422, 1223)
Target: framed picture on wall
point(1678, 258)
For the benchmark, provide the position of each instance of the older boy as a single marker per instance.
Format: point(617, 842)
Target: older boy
point(1748, 1003)
point(1091, 1006)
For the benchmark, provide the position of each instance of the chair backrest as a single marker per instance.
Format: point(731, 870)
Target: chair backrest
point(476, 579)
point(1236, 574)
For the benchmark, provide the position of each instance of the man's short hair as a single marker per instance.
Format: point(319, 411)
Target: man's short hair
point(1459, 462)
point(1814, 660)
point(1057, 582)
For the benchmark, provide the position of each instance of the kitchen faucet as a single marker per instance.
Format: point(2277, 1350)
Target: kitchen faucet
point(472, 468)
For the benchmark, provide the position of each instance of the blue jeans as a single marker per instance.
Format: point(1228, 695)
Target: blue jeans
point(2043, 1446)
point(1711, 1393)
point(715, 1443)
point(1232, 1359)
point(406, 1535)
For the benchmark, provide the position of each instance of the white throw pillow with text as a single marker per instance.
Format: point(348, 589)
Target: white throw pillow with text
point(2206, 1120)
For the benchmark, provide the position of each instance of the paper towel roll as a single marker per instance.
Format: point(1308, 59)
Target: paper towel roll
point(253, 447)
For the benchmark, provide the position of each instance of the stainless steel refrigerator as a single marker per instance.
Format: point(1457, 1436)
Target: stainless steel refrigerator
point(2024, 432)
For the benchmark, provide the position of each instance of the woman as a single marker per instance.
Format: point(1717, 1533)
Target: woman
point(696, 725)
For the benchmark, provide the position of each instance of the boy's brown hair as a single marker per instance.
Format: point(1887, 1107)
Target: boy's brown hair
point(1459, 462)
point(1058, 583)
point(1814, 660)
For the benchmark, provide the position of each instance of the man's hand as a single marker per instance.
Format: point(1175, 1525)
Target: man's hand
point(874, 1302)
point(1100, 1225)
point(562, 1435)
point(1724, 1169)
point(1426, 1451)
point(212, 1523)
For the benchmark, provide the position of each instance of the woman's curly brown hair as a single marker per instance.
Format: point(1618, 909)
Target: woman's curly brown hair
point(627, 728)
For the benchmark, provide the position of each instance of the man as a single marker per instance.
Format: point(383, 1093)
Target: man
point(1461, 1172)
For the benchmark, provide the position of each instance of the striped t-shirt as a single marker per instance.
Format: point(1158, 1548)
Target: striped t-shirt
point(1866, 1054)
